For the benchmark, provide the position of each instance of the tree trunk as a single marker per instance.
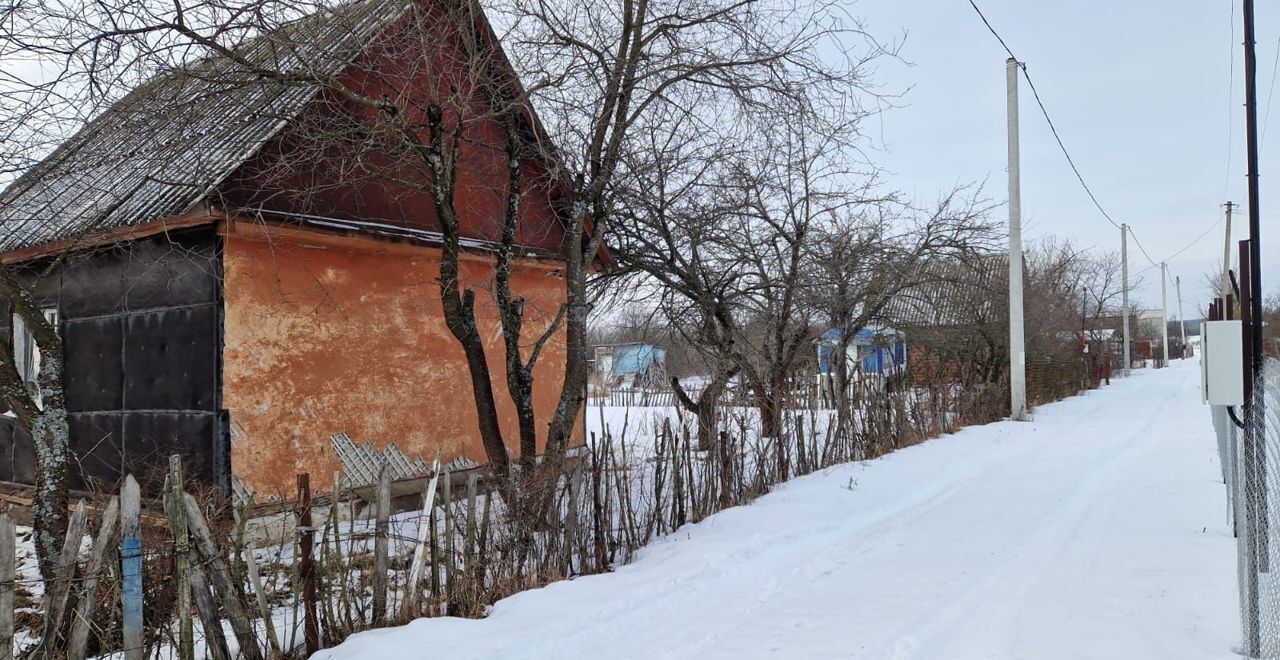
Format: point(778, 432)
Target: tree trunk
point(707, 408)
point(768, 399)
point(561, 426)
point(51, 436)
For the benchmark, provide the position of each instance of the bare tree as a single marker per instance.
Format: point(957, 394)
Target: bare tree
point(861, 263)
point(601, 75)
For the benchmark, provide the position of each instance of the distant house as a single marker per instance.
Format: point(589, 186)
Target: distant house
point(954, 318)
point(871, 352)
point(211, 311)
point(629, 366)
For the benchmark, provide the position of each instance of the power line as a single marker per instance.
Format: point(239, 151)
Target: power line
point(993, 30)
point(1186, 247)
point(1231, 88)
point(1267, 116)
point(1140, 248)
point(1044, 111)
point(1063, 147)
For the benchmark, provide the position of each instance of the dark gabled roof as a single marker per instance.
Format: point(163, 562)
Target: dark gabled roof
point(952, 292)
point(160, 150)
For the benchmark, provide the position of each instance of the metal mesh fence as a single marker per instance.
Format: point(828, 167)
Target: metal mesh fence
point(1249, 447)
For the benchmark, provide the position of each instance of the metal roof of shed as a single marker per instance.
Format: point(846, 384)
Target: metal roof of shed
point(951, 292)
point(166, 145)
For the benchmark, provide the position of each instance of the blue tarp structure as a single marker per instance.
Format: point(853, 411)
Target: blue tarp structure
point(880, 351)
point(636, 359)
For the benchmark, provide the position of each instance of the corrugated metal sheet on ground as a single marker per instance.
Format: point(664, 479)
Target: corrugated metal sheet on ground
point(362, 463)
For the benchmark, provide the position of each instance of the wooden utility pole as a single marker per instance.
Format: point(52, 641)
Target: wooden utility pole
point(1226, 255)
point(1251, 311)
point(1255, 240)
point(1017, 349)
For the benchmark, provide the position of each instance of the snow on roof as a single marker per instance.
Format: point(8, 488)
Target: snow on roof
point(162, 148)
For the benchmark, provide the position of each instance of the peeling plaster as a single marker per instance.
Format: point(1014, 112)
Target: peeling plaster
point(338, 340)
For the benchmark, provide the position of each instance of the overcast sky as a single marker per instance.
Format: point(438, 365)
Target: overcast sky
point(1141, 93)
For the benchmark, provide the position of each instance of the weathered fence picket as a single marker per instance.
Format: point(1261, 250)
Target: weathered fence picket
point(181, 556)
point(228, 593)
point(469, 531)
point(260, 597)
point(380, 549)
point(446, 510)
point(8, 573)
point(82, 622)
point(214, 640)
point(413, 588)
point(307, 566)
point(338, 567)
point(55, 603)
point(131, 568)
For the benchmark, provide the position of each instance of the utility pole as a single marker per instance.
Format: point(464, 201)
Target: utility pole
point(1226, 256)
point(1124, 296)
point(1017, 349)
point(1255, 239)
point(1258, 522)
point(1181, 319)
point(1164, 314)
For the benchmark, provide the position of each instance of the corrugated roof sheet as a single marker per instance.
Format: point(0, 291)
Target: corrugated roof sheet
point(952, 292)
point(162, 148)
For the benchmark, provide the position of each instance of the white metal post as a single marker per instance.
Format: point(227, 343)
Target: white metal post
point(1164, 315)
point(1017, 349)
point(1177, 281)
point(1124, 296)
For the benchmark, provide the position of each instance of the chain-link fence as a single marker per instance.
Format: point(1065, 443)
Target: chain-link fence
point(1249, 447)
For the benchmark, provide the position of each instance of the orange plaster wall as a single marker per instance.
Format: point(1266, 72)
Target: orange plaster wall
point(323, 338)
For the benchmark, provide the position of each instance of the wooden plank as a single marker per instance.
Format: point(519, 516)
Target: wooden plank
point(56, 599)
point(307, 566)
point(220, 577)
point(339, 567)
point(260, 596)
point(182, 556)
point(446, 510)
point(355, 239)
point(413, 595)
point(214, 640)
point(410, 489)
point(131, 569)
point(380, 549)
point(107, 237)
point(8, 571)
point(469, 530)
point(83, 621)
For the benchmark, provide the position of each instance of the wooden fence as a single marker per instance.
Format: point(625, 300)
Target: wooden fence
point(804, 394)
point(189, 577)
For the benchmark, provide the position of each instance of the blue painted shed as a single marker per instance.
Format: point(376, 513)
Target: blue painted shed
point(876, 351)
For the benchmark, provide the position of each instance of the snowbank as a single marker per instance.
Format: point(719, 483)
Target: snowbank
point(1096, 531)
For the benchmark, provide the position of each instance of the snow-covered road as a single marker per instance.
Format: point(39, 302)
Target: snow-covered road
point(1096, 531)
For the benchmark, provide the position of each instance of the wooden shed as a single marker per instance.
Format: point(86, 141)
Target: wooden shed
point(210, 307)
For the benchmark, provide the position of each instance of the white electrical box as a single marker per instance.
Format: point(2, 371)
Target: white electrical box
point(1222, 363)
